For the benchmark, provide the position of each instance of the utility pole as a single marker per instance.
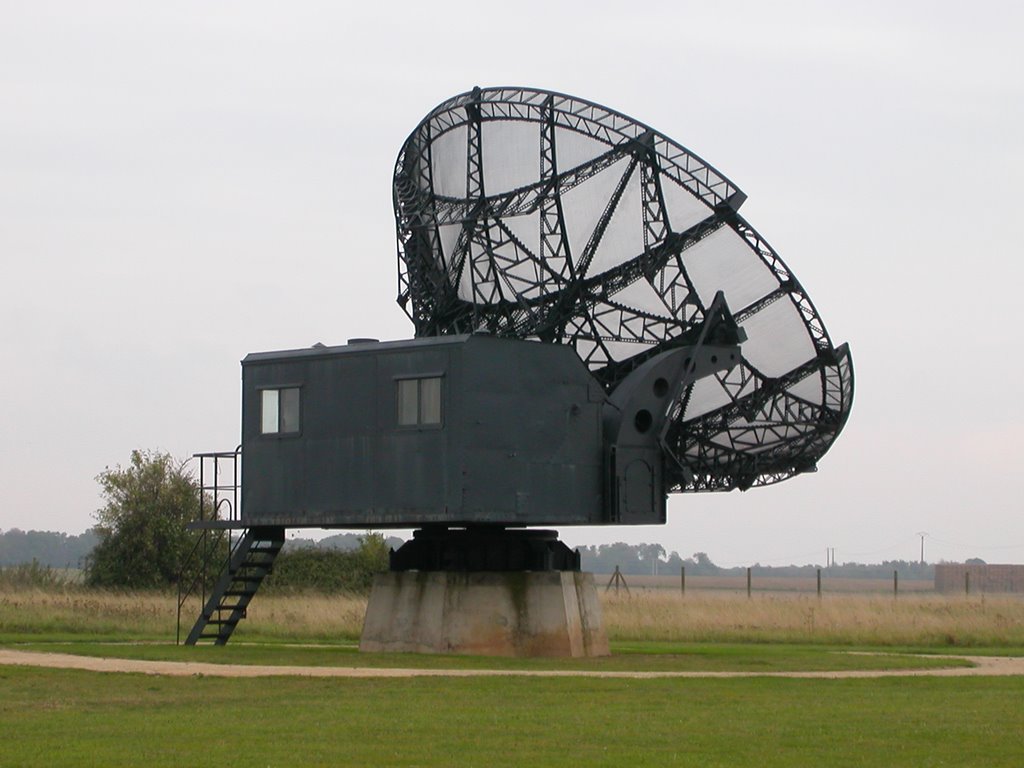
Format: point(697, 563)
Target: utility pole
point(922, 534)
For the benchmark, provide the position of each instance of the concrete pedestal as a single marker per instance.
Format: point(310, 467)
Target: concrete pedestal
point(532, 613)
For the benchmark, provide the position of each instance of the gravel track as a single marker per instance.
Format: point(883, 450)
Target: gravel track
point(983, 666)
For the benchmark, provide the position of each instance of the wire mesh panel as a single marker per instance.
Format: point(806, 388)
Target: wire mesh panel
point(536, 215)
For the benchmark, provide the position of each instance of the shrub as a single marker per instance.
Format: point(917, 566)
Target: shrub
point(331, 570)
point(142, 534)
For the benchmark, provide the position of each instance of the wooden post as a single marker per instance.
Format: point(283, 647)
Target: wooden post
point(967, 582)
point(617, 580)
point(819, 583)
point(748, 582)
point(895, 584)
point(682, 579)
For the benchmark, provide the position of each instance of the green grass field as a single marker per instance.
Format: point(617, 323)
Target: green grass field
point(63, 717)
point(57, 718)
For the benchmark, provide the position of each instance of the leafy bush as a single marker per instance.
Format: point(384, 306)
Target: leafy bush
point(142, 536)
point(331, 570)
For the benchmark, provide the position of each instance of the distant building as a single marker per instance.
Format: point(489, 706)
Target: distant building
point(962, 577)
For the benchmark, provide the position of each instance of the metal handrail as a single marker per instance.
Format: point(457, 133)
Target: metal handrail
point(210, 494)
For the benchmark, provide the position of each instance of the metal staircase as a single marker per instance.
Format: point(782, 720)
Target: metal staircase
point(251, 560)
point(242, 563)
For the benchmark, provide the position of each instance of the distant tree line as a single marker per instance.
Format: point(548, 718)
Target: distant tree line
point(47, 548)
point(651, 559)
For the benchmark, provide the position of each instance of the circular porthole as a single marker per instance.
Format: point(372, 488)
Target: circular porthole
point(643, 420)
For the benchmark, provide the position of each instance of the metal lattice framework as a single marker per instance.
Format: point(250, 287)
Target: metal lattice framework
point(536, 215)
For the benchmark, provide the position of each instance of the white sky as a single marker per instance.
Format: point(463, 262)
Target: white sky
point(183, 183)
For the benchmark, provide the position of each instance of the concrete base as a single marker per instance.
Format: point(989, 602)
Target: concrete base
point(532, 613)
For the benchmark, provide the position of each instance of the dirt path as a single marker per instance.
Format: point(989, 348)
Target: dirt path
point(984, 665)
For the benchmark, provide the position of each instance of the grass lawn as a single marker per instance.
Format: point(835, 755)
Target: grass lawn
point(55, 718)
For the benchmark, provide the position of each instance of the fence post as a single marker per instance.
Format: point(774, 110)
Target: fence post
point(617, 580)
point(967, 582)
point(819, 583)
point(748, 582)
point(895, 584)
point(682, 579)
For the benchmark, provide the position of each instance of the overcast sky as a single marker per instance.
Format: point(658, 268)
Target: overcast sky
point(183, 183)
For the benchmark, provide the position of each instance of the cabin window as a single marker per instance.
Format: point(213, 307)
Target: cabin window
point(279, 411)
point(419, 402)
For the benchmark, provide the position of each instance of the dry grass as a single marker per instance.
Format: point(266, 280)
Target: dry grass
point(923, 620)
point(311, 616)
point(76, 611)
point(72, 610)
point(663, 615)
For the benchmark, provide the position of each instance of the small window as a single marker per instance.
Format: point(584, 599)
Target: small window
point(279, 411)
point(419, 402)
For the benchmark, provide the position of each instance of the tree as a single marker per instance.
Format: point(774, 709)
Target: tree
point(141, 527)
point(703, 565)
point(650, 557)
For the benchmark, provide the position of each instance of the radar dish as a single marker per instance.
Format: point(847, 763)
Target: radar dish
point(536, 215)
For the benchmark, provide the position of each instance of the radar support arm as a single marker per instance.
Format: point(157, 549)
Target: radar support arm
point(640, 412)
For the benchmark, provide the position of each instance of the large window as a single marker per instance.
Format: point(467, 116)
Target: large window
point(279, 411)
point(419, 402)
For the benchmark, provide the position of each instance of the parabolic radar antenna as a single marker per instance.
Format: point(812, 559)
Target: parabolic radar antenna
point(597, 327)
point(536, 215)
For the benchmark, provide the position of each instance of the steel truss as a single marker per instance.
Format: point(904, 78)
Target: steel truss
point(764, 429)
